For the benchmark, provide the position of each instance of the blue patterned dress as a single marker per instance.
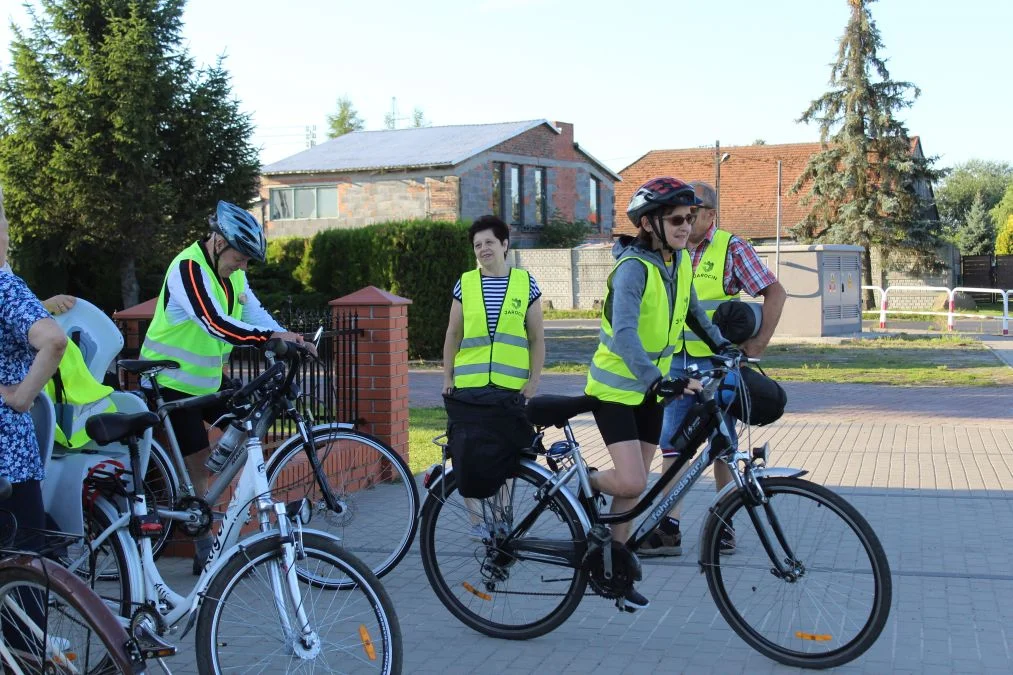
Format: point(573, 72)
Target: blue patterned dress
point(19, 309)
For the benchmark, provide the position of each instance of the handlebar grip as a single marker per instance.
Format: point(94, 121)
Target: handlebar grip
point(197, 401)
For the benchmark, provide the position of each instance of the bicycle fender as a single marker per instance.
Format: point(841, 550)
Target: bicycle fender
point(764, 472)
point(435, 490)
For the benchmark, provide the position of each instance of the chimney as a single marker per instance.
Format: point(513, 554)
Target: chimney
point(566, 132)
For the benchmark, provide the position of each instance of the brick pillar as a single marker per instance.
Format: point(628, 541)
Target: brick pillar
point(382, 363)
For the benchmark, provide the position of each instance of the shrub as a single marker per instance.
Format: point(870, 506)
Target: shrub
point(559, 233)
point(1004, 241)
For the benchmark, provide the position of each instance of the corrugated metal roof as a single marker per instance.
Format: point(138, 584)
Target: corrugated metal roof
point(401, 148)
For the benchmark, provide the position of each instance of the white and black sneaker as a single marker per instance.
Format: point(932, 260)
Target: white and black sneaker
point(635, 600)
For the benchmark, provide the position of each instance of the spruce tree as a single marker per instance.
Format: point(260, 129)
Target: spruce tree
point(115, 146)
point(866, 186)
point(977, 235)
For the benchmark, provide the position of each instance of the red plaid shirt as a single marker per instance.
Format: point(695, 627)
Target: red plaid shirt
point(743, 269)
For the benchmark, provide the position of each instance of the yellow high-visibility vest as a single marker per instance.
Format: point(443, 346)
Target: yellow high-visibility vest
point(200, 355)
point(502, 358)
point(660, 333)
point(709, 283)
point(78, 397)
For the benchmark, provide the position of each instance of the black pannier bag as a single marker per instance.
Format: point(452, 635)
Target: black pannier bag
point(486, 435)
point(767, 399)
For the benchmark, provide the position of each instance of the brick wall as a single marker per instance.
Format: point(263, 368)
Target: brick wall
point(364, 199)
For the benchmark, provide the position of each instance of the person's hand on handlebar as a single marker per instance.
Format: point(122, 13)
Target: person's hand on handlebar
point(672, 389)
point(296, 338)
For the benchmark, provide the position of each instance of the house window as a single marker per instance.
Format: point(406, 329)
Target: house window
point(497, 189)
point(541, 200)
point(304, 202)
point(594, 205)
point(516, 213)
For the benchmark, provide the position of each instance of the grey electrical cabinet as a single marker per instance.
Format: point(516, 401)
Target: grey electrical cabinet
point(824, 284)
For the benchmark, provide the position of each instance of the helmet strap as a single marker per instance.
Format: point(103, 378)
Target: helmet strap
point(659, 230)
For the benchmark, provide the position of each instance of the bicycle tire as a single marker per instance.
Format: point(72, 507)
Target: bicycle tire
point(352, 461)
point(453, 560)
point(161, 489)
point(830, 539)
point(365, 603)
point(74, 614)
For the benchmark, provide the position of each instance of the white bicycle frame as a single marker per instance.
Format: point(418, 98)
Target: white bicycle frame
point(252, 488)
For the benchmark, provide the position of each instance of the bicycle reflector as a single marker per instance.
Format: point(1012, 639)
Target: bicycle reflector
point(432, 474)
point(812, 636)
point(367, 642)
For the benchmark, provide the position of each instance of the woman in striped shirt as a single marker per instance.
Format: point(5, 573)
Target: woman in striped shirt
point(490, 238)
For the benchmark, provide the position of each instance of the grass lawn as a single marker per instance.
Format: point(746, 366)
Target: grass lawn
point(904, 360)
point(423, 425)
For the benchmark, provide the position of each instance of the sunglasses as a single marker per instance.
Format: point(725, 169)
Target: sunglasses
point(679, 220)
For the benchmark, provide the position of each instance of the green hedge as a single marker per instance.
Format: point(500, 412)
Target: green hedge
point(420, 260)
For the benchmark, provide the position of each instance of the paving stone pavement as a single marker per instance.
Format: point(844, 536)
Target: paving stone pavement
point(930, 468)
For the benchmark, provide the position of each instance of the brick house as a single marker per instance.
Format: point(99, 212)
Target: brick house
point(748, 196)
point(523, 171)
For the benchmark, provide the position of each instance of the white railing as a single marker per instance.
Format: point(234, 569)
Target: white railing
point(950, 294)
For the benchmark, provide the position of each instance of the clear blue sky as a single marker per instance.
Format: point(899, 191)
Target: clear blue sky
point(631, 76)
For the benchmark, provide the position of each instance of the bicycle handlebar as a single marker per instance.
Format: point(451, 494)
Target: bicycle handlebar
point(196, 401)
point(259, 381)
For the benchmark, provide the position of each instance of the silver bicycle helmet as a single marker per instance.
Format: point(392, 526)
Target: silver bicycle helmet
point(241, 230)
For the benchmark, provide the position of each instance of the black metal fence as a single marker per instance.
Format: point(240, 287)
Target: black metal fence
point(330, 385)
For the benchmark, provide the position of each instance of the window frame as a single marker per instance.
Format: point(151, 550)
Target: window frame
point(517, 195)
point(594, 200)
point(292, 189)
point(541, 196)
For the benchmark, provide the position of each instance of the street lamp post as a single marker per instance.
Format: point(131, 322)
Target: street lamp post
point(777, 241)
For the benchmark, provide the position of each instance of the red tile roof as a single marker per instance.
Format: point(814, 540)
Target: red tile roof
point(748, 183)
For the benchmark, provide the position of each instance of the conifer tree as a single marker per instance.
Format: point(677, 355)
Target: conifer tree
point(977, 235)
point(114, 146)
point(345, 120)
point(866, 186)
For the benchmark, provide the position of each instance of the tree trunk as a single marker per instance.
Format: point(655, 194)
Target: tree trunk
point(870, 296)
point(130, 290)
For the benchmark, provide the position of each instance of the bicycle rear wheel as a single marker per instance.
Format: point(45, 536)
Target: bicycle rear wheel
point(355, 630)
point(52, 623)
point(835, 603)
point(486, 587)
point(161, 490)
point(377, 495)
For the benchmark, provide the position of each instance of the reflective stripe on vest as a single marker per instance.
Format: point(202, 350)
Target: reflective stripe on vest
point(200, 355)
point(503, 358)
point(709, 284)
point(80, 397)
point(660, 330)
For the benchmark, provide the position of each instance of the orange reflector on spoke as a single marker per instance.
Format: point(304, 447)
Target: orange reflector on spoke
point(367, 642)
point(474, 591)
point(812, 636)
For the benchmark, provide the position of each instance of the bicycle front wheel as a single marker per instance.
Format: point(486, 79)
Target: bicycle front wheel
point(248, 622)
point(492, 586)
point(377, 498)
point(834, 602)
point(52, 623)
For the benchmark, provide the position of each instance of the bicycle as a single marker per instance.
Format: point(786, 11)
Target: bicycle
point(50, 620)
point(809, 585)
point(344, 472)
point(284, 572)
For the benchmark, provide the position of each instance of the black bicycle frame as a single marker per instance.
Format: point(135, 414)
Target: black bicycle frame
point(702, 425)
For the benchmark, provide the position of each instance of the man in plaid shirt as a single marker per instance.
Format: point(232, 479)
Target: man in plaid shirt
point(742, 271)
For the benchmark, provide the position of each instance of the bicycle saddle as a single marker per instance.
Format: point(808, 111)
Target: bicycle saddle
point(111, 427)
point(552, 410)
point(136, 366)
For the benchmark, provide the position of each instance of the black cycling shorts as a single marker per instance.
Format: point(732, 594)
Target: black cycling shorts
point(618, 422)
point(188, 423)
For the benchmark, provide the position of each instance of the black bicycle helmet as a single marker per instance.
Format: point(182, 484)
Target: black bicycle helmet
point(655, 195)
point(241, 230)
